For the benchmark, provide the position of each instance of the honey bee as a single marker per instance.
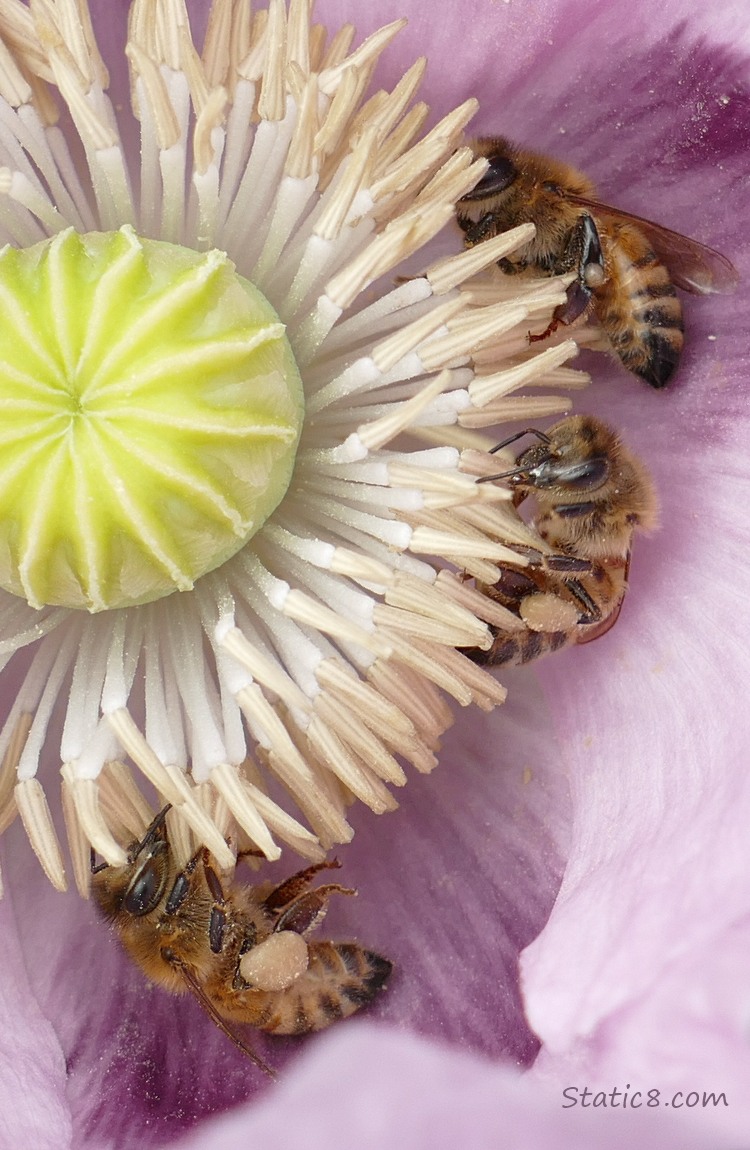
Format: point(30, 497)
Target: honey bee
point(240, 950)
point(626, 267)
point(591, 495)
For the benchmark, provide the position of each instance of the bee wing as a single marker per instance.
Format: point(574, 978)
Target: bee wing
point(692, 266)
point(309, 909)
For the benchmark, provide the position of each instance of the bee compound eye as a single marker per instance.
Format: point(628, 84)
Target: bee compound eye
point(501, 173)
point(582, 475)
point(146, 888)
point(275, 963)
point(585, 476)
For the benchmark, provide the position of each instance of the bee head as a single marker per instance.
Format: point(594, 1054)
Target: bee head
point(569, 474)
point(573, 457)
point(136, 888)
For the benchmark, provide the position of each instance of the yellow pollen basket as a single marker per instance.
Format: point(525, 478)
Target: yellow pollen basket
point(150, 411)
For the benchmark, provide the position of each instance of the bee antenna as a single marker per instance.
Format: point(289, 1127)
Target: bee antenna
point(152, 830)
point(501, 475)
point(519, 435)
point(514, 471)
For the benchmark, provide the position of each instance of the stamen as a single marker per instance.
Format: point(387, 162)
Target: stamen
point(11, 758)
point(362, 741)
point(299, 838)
point(417, 697)
point(287, 763)
point(387, 720)
point(37, 822)
point(442, 488)
point(480, 605)
point(121, 800)
point(531, 407)
point(410, 596)
point(366, 55)
point(426, 541)
point(272, 102)
point(84, 797)
point(155, 97)
point(488, 387)
point(381, 431)
point(239, 800)
point(320, 650)
point(450, 671)
point(263, 669)
point(326, 740)
point(78, 844)
point(170, 783)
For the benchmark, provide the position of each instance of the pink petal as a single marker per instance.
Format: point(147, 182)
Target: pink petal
point(686, 1037)
point(33, 1105)
point(364, 1088)
point(654, 734)
point(670, 782)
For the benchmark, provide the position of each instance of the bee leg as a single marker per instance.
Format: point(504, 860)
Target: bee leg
point(484, 228)
point(566, 564)
point(218, 918)
point(575, 510)
point(583, 251)
point(591, 612)
point(181, 888)
point(195, 987)
point(611, 578)
point(559, 562)
point(512, 267)
point(288, 890)
point(595, 631)
point(154, 831)
point(250, 853)
point(548, 573)
point(577, 301)
point(308, 909)
point(516, 584)
point(511, 589)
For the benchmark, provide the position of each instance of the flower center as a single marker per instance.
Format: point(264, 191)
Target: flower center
point(151, 410)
